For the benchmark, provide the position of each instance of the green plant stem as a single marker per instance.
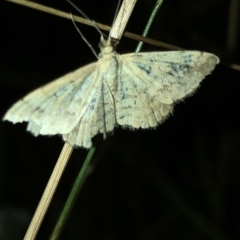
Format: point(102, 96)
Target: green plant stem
point(149, 23)
point(72, 196)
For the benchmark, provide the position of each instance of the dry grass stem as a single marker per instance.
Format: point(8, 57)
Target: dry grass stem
point(67, 149)
point(101, 26)
point(48, 192)
point(122, 19)
point(130, 35)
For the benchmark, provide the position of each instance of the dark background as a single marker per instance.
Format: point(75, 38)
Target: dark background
point(180, 181)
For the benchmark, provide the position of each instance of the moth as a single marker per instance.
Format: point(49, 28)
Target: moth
point(135, 90)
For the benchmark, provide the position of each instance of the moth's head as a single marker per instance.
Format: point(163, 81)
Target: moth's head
point(105, 46)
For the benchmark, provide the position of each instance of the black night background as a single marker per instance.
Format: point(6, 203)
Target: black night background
point(179, 181)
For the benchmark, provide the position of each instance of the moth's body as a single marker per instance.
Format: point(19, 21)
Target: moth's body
point(135, 90)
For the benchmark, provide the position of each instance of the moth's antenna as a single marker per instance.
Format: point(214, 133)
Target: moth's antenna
point(81, 12)
point(97, 28)
point(78, 9)
point(84, 39)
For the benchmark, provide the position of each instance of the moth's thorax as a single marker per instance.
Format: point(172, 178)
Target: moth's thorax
point(106, 48)
point(109, 65)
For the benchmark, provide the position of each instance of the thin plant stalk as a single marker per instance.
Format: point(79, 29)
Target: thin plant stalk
point(107, 28)
point(127, 5)
point(55, 178)
point(149, 23)
point(101, 26)
point(48, 192)
point(78, 183)
point(72, 196)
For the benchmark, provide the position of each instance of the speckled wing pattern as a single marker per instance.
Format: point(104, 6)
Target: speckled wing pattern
point(134, 90)
point(150, 83)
